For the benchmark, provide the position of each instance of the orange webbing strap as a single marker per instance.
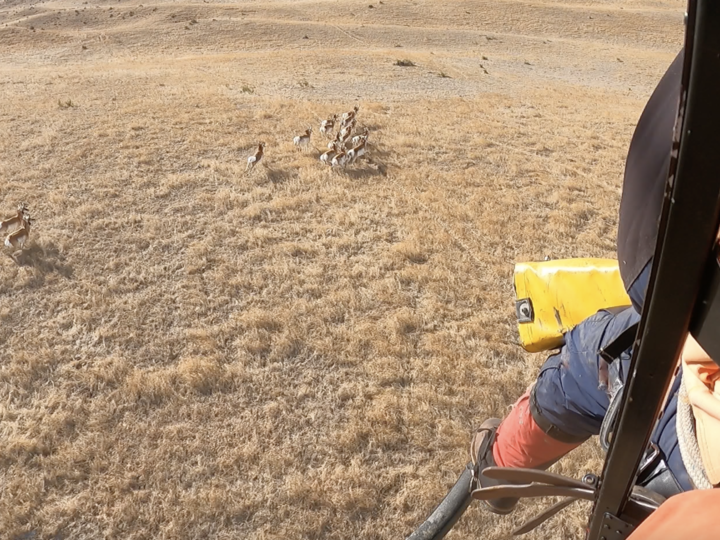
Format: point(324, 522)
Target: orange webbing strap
point(692, 515)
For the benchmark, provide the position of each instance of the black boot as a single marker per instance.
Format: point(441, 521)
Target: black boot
point(482, 457)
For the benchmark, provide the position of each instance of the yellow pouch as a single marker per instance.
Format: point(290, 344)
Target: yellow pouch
point(554, 296)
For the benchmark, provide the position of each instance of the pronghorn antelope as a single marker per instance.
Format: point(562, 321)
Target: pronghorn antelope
point(256, 157)
point(346, 130)
point(340, 159)
point(327, 126)
point(343, 138)
point(357, 138)
point(349, 115)
point(327, 156)
point(10, 224)
point(337, 142)
point(304, 139)
point(357, 151)
point(349, 123)
point(18, 238)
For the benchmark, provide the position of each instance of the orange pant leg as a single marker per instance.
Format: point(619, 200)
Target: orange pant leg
point(521, 443)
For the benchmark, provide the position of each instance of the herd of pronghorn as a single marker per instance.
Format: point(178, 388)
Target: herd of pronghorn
point(17, 227)
point(343, 149)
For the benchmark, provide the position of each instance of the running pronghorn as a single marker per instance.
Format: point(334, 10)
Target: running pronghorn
point(303, 141)
point(346, 117)
point(255, 158)
point(357, 138)
point(327, 156)
point(347, 128)
point(349, 122)
point(10, 224)
point(357, 151)
point(327, 126)
point(340, 159)
point(343, 138)
point(18, 238)
point(337, 142)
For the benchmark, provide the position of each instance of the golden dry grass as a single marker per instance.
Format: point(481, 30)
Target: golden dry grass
point(187, 351)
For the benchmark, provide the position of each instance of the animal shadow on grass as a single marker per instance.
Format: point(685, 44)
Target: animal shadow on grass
point(374, 163)
point(46, 258)
point(277, 176)
point(366, 168)
point(33, 535)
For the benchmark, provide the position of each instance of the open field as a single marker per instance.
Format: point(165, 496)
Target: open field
point(190, 351)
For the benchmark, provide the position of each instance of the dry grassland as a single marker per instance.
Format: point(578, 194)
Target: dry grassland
point(187, 351)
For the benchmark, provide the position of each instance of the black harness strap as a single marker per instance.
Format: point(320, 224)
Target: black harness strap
point(620, 344)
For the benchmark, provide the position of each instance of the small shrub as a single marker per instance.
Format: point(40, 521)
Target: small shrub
point(444, 75)
point(304, 84)
point(405, 63)
point(247, 89)
point(66, 104)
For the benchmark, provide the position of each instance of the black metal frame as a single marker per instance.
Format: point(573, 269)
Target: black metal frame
point(685, 244)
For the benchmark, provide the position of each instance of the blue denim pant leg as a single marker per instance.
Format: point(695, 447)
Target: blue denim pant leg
point(567, 392)
point(665, 437)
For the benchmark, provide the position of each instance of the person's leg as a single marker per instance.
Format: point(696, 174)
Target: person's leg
point(564, 407)
point(567, 405)
point(521, 442)
point(667, 475)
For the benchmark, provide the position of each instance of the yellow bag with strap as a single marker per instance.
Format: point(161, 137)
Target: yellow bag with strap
point(554, 296)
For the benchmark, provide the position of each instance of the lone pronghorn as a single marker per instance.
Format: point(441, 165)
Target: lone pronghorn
point(10, 224)
point(327, 126)
point(18, 238)
point(255, 158)
point(303, 141)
